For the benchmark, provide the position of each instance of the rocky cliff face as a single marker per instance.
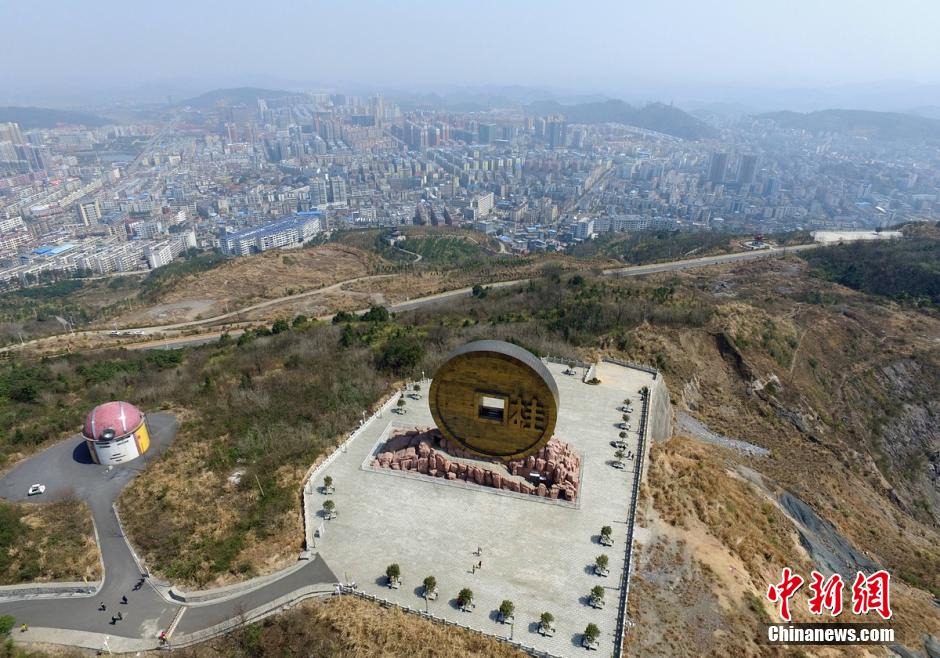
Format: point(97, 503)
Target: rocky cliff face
point(910, 435)
point(838, 400)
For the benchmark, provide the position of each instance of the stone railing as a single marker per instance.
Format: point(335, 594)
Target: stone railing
point(630, 364)
point(628, 549)
point(48, 590)
point(563, 362)
point(590, 369)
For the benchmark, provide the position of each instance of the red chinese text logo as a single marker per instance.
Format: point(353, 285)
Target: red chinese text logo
point(827, 593)
point(783, 591)
point(869, 593)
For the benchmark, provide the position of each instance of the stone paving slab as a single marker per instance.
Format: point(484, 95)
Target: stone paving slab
point(540, 556)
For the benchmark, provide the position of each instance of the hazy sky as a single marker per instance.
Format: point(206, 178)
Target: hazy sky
point(578, 44)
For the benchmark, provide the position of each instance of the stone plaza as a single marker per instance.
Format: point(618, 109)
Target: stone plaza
point(537, 553)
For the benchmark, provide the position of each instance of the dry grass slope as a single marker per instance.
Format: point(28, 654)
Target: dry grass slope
point(52, 541)
point(350, 627)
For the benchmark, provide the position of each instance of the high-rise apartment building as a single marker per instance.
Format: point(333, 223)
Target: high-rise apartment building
point(89, 212)
point(717, 168)
point(338, 191)
point(747, 169)
point(556, 132)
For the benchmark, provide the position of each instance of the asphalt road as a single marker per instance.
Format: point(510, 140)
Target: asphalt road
point(199, 617)
point(66, 469)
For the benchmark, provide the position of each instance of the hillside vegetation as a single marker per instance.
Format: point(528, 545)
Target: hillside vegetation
point(440, 247)
point(347, 626)
point(654, 116)
point(903, 270)
point(840, 391)
point(50, 541)
point(82, 301)
point(640, 247)
point(881, 125)
point(43, 117)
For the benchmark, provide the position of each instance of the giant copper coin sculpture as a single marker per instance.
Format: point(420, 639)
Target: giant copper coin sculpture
point(495, 399)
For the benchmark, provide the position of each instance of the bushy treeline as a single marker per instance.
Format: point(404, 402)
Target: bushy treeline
point(43, 399)
point(904, 270)
point(641, 247)
point(192, 262)
point(575, 310)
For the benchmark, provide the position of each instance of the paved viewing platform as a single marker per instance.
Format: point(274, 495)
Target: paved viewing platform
point(535, 552)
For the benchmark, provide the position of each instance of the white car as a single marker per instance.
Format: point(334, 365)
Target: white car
point(36, 489)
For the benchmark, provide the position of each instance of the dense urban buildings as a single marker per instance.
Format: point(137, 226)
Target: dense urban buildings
point(215, 174)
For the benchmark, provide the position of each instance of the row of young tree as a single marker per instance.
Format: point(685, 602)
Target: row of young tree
point(507, 609)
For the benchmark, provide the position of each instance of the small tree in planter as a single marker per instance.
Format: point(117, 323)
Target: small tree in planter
point(600, 565)
point(430, 588)
point(393, 572)
point(506, 611)
point(465, 599)
point(644, 391)
point(620, 442)
point(416, 388)
point(328, 485)
point(626, 421)
point(619, 454)
point(606, 538)
point(329, 509)
point(591, 633)
point(547, 624)
point(401, 404)
point(597, 597)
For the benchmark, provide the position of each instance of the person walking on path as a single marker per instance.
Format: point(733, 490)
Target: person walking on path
point(102, 607)
point(124, 600)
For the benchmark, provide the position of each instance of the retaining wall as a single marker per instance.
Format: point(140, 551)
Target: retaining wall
point(48, 590)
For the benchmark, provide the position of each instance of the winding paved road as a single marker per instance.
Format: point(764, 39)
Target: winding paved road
point(635, 270)
point(66, 469)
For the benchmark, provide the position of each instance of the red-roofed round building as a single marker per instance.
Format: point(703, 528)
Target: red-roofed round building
point(116, 432)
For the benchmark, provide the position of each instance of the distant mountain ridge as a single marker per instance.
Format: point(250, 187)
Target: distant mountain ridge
point(235, 96)
point(881, 125)
point(44, 117)
point(659, 117)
